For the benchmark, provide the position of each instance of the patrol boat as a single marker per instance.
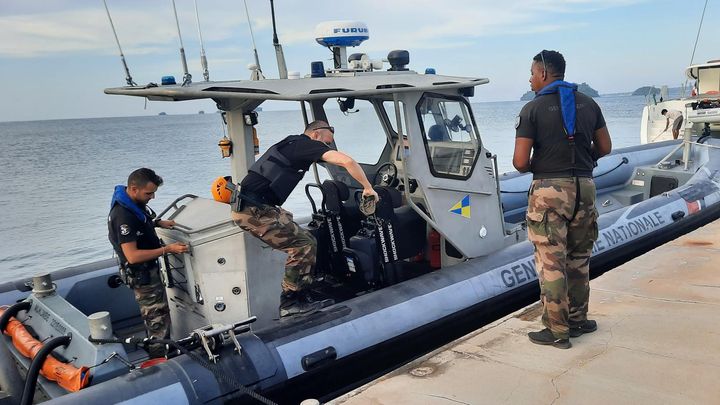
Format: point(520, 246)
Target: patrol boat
point(446, 244)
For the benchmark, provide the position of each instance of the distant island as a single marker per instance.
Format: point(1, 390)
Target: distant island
point(201, 112)
point(582, 88)
point(673, 92)
point(646, 91)
point(162, 113)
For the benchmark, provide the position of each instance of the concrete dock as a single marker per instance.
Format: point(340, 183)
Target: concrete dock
point(658, 342)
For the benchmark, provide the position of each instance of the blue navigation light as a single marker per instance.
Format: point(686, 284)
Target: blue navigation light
point(429, 71)
point(317, 69)
point(167, 80)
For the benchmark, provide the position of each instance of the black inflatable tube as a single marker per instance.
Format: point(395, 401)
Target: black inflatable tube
point(36, 365)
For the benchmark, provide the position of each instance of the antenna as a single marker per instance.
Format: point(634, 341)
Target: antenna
point(187, 77)
point(282, 67)
point(702, 17)
point(259, 75)
point(128, 78)
point(203, 59)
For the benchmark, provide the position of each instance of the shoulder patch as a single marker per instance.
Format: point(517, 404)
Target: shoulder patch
point(124, 230)
point(517, 121)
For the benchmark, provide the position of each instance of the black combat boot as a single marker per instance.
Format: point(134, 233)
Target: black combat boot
point(588, 326)
point(546, 337)
point(296, 302)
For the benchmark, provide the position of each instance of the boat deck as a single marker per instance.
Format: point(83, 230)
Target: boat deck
point(657, 342)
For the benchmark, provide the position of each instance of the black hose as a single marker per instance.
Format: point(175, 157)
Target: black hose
point(624, 161)
point(37, 363)
point(12, 311)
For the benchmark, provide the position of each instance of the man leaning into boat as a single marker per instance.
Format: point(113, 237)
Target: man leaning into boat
point(267, 185)
point(131, 230)
point(566, 132)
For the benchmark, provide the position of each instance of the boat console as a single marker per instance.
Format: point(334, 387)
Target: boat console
point(212, 284)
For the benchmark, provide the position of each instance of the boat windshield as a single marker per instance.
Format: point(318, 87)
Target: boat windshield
point(359, 132)
point(451, 140)
point(709, 80)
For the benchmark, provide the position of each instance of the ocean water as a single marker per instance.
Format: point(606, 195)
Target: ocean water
point(57, 176)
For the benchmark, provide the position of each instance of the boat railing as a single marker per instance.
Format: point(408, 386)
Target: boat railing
point(687, 145)
point(174, 204)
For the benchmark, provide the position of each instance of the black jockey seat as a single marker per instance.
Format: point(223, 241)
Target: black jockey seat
point(393, 234)
point(332, 226)
point(409, 228)
point(337, 202)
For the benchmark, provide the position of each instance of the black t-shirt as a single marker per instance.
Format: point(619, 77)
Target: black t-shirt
point(541, 121)
point(124, 227)
point(302, 153)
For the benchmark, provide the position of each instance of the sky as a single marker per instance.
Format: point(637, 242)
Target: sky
point(57, 56)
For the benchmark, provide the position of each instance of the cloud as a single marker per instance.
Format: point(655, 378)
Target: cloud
point(144, 27)
point(88, 30)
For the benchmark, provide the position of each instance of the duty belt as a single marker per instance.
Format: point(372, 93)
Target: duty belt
point(239, 199)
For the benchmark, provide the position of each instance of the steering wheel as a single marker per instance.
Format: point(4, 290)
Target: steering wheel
point(386, 175)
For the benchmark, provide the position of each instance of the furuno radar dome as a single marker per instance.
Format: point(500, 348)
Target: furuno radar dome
point(338, 35)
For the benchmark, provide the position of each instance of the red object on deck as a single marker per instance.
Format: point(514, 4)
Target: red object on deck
point(434, 242)
point(153, 362)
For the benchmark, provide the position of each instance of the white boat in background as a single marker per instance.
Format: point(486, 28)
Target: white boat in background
point(701, 109)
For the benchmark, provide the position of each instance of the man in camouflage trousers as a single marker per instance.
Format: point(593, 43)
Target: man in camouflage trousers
point(566, 132)
point(276, 227)
point(154, 310)
point(268, 184)
point(131, 230)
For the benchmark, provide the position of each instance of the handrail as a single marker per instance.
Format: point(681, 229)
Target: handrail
point(191, 231)
point(312, 201)
point(174, 203)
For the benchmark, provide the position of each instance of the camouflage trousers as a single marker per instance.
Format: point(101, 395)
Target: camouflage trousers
point(154, 311)
point(563, 240)
point(275, 226)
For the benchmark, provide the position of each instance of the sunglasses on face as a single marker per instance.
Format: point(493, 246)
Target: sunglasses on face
point(331, 129)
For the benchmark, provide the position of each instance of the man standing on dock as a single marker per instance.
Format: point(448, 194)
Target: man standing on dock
point(131, 230)
point(566, 132)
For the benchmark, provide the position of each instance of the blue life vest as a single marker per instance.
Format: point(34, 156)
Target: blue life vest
point(567, 103)
point(278, 169)
point(120, 196)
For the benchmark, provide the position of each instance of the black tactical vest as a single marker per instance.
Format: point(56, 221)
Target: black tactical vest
point(278, 170)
